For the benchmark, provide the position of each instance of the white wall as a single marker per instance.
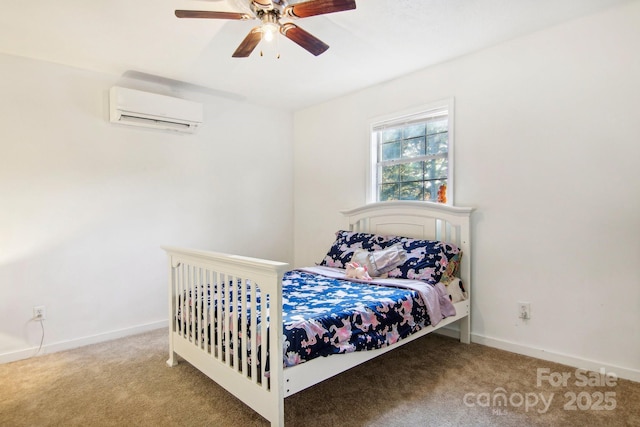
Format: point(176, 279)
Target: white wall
point(547, 149)
point(85, 205)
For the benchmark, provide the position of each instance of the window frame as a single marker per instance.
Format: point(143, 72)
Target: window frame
point(397, 118)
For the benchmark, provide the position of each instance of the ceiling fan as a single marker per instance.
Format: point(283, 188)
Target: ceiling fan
point(269, 12)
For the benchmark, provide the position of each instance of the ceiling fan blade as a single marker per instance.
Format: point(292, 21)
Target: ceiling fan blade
point(267, 4)
point(249, 43)
point(303, 38)
point(318, 7)
point(212, 15)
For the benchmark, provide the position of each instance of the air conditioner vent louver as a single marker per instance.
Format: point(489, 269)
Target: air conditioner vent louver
point(144, 109)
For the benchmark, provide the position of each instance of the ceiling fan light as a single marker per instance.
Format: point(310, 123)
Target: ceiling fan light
point(269, 31)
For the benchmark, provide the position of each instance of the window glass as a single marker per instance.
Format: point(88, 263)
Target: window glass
point(412, 156)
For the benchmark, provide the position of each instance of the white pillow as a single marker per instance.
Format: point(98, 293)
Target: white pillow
point(378, 263)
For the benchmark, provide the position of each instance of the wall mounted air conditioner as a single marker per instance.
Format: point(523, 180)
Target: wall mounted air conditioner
point(151, 110)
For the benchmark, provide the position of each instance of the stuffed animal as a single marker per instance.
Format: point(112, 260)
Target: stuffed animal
point(357, 271)
point(442, 194)
point(456, 291)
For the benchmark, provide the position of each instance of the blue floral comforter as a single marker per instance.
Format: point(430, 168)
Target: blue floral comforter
point(324, 315)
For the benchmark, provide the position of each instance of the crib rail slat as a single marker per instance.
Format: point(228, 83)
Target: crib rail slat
point(263, 336)
point(211, 314)
point(189, 299)
point(198, 305)
point(219, 315)
point(242, 327)
point(226, 320)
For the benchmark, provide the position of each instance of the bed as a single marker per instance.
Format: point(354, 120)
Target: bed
point(221, 305)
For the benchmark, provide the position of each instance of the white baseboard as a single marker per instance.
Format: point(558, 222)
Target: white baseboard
point(564, 359)
point(621, 372)
point(80, 342)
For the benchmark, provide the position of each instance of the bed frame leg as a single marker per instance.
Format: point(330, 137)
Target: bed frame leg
point(280, 421)
point(173, 360)
point(465, 330)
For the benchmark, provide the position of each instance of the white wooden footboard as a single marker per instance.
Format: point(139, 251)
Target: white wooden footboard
point(209, 339)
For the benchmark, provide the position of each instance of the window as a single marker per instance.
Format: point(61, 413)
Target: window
point(412, 155)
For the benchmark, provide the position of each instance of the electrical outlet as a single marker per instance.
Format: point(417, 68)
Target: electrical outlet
point(39, 312)
point(524, 310)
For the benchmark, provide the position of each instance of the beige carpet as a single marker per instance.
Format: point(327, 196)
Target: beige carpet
point(435, 381)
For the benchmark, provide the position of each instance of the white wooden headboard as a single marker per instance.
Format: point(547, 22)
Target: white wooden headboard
point(422, 220)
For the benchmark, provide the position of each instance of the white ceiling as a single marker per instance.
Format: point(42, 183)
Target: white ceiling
point(378, 41)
